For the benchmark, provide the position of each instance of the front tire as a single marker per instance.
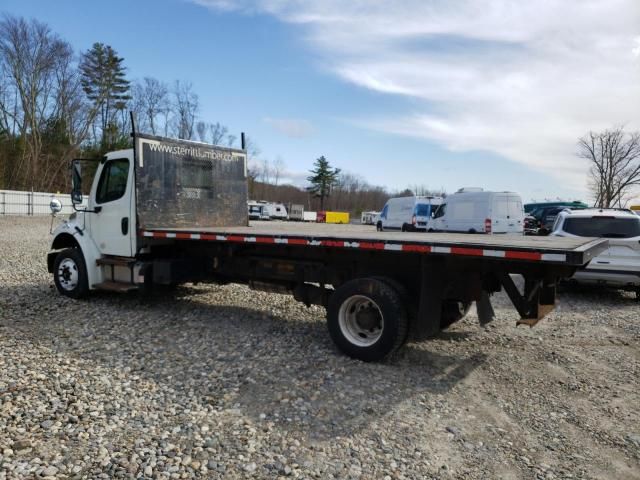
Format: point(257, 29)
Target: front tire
point(70, 273)
point(367, 319)
point(379, 226)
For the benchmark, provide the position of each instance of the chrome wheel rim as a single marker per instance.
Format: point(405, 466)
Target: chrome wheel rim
point(361, 321)
point(68, 274)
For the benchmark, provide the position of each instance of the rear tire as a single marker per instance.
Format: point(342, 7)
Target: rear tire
point(70, 273)
point(367, 319)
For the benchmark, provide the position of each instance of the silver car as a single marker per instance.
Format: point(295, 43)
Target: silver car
point(619, 265)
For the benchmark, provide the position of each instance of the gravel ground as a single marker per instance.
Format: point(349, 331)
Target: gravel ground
point(224, 382)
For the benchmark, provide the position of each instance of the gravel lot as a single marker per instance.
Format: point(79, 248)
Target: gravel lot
point(224, 382)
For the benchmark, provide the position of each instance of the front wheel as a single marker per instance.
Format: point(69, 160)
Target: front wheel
point(367, 319)
point(379, 226)
point(70, 273)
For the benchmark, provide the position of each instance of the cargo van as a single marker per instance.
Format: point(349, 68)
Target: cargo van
point(473, 210)
point(407, 214)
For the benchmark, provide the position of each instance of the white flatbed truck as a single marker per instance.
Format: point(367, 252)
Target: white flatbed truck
point(169, 212)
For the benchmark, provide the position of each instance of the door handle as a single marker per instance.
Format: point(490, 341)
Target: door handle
point(124, 225)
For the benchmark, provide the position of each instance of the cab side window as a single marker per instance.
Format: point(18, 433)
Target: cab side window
point(384, 212)
point(113, 181)
point(440, 212)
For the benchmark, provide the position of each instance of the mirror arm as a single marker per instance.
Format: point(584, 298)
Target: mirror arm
point(86, 210)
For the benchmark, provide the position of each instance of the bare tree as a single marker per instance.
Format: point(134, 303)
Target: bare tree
point(39, 99)
point(265, 173)
point(218, 132)
point(615, 164)
point(185, 106)
point(277, 169)
point(425, 191)
point(201, 129)
point(150, 103)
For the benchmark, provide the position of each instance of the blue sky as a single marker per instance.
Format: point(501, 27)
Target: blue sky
point(401, 92)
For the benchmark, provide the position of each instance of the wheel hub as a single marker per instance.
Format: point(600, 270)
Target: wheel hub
point(68, 274)
point(361, 320)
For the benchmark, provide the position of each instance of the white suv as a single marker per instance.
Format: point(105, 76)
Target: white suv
point(619, 265)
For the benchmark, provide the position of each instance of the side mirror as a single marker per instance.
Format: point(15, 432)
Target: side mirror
point(76, 197)
point(76, 183)
point(55, 206)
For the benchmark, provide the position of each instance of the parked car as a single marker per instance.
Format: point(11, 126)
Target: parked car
point(472, 210)
point(619, 265)
point(407, 214)
point(546, 217)
point(531, 225)
point(530, 207)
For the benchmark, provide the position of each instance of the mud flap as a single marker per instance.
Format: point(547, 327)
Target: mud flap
point(485, 309)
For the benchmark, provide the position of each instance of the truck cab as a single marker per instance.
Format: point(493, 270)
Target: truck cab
point(159, 182)
point(106, 227)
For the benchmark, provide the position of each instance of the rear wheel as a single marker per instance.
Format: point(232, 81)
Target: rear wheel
point(70, 273)
point(367, 319)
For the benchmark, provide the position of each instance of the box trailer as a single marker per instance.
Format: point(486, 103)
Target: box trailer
point(168, 212)
point(296, 212)
point(310, 216)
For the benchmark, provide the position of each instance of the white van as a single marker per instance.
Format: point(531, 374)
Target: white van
point(473, 210)
point(408, 214)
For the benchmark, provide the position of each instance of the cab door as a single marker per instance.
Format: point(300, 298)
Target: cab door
point(113, 220)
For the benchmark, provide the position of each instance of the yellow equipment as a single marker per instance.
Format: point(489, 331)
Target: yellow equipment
point(337, 217)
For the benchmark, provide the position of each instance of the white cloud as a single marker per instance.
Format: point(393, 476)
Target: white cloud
point(520, 79)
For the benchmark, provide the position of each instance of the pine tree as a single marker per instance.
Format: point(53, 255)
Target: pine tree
point(103, 80)
point(323, 178)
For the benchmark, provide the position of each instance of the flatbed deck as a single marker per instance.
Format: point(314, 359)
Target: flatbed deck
point(557, 250)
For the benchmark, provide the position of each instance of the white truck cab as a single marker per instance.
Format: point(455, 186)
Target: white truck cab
point(105, 227)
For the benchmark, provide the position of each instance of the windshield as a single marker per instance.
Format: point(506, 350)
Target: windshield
point(423, 210)
point(609, 227)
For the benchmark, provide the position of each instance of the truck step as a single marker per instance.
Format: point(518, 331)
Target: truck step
point(112, 286)
point(117, 261)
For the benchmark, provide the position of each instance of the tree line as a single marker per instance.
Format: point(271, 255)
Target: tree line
point(57, 104)
point(329, 188)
